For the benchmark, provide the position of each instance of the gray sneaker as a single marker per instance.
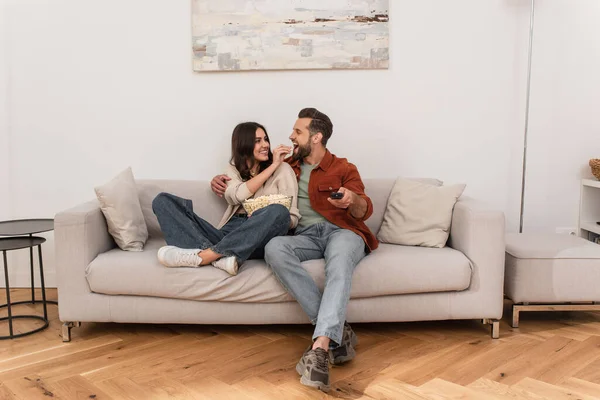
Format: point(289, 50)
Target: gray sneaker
point(313, 368)
point(345, 351)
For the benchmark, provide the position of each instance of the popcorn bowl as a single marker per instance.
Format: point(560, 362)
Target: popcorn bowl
point(251, 205)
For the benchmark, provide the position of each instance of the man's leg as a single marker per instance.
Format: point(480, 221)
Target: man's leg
point(344, 249)
point(284, 254)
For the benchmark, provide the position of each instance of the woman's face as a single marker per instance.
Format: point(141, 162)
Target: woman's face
point(261, 146)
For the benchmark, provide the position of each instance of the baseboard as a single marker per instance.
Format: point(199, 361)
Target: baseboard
point(22, 279)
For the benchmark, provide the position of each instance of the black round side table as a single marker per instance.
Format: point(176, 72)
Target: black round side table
point(29, 227)
point(16, 243)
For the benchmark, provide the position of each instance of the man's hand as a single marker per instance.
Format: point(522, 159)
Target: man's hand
point(346, 201)
point(356, 204)
point(219, 184)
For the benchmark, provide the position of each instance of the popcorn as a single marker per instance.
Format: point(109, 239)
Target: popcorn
point(252, 205)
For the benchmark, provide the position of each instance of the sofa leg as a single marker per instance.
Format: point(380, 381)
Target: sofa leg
point(494, 327)
point(515, 317)
point(66, 330)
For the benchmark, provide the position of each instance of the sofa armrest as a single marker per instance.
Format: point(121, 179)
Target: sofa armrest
point(478, 231)
point(80, 234)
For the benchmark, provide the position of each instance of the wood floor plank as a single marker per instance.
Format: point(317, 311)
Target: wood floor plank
point(78, 388)
point(55, 352)
point(581, 386)
point(33, 388)
point(201, 361)
point(213, 389)
point(484, 385)
point(169, 347)
point(123, 388)
point(590, 373)
point(550, 391)
point(6, 393)
point(167, 388)
point(471, 368)
point(256, 388)
point(531, 361)
point(385, 362)
point(430, 368)
point(570, 360)
point(259, 360)
point(393, 389)
point(441, 389)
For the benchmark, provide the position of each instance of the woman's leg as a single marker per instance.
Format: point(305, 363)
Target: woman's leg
point(181, 226)
point(254, 233)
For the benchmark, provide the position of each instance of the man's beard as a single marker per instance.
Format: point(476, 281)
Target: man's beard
point(303, 152)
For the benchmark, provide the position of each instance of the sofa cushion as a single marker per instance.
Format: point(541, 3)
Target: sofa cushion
point(378, 190)
point(120, 205)
point(419, 214)
point(389, 270)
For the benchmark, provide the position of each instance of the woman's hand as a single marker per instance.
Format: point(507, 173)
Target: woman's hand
point(280, 153)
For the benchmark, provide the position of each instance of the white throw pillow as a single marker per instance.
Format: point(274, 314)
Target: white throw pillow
point(120, 205)
point(419, 214)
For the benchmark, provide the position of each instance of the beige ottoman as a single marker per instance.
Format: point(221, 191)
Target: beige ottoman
point(551, 272)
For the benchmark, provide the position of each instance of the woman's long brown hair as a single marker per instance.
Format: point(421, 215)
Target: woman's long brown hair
point(242, 148)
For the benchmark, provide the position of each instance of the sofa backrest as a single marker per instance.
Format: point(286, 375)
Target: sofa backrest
point(211, 207)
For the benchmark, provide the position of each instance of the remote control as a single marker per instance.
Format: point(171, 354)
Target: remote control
point(336, 195)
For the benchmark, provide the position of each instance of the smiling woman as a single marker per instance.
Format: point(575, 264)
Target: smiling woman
point(250, 149)
point(255, 172)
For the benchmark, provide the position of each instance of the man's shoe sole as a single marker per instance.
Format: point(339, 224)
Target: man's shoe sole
point(317, 385)
point(354, 340)
point(300, 368)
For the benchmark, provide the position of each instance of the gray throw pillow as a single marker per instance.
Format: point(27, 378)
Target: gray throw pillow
point(120, 205)
point(419, 214)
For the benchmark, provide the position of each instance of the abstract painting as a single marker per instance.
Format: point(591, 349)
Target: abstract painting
point(237, 35)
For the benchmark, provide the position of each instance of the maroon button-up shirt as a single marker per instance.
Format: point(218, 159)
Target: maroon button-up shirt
point(331, 174)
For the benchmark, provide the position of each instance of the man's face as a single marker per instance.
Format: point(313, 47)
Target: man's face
point(300, 137)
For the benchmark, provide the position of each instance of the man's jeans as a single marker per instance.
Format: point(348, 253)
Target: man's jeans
point(342, 250)
point(243, 237)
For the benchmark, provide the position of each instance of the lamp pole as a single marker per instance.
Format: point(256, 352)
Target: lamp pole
point(531, 21)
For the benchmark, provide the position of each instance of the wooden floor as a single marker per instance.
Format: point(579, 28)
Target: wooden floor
point(551, 356)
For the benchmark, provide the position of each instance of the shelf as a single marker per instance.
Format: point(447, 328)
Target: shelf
point(591, 183)
point(591, 227)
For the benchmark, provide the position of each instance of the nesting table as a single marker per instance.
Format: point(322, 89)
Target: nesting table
point(18, 235)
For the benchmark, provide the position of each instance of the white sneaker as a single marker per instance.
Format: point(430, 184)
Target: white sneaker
point(172, 256)
point(227, 264)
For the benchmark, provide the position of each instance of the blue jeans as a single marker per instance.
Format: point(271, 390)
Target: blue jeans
point(243, 237)
point(342, 250)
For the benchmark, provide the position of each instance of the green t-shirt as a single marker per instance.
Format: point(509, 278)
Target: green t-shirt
point(309, 216)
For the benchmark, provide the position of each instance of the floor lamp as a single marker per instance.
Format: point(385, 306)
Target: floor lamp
point(531, 21)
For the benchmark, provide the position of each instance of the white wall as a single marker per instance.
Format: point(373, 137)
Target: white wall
point(565, 120)
point(4, 144)
point(98, 86)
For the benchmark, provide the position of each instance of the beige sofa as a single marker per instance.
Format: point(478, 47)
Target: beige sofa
point(98, 282)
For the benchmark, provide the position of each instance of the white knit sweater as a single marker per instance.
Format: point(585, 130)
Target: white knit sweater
point(283, 181)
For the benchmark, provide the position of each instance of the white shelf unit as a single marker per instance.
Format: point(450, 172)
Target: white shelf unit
point(589, 210)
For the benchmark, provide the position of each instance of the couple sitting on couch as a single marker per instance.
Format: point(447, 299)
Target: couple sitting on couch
point(328, 228)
